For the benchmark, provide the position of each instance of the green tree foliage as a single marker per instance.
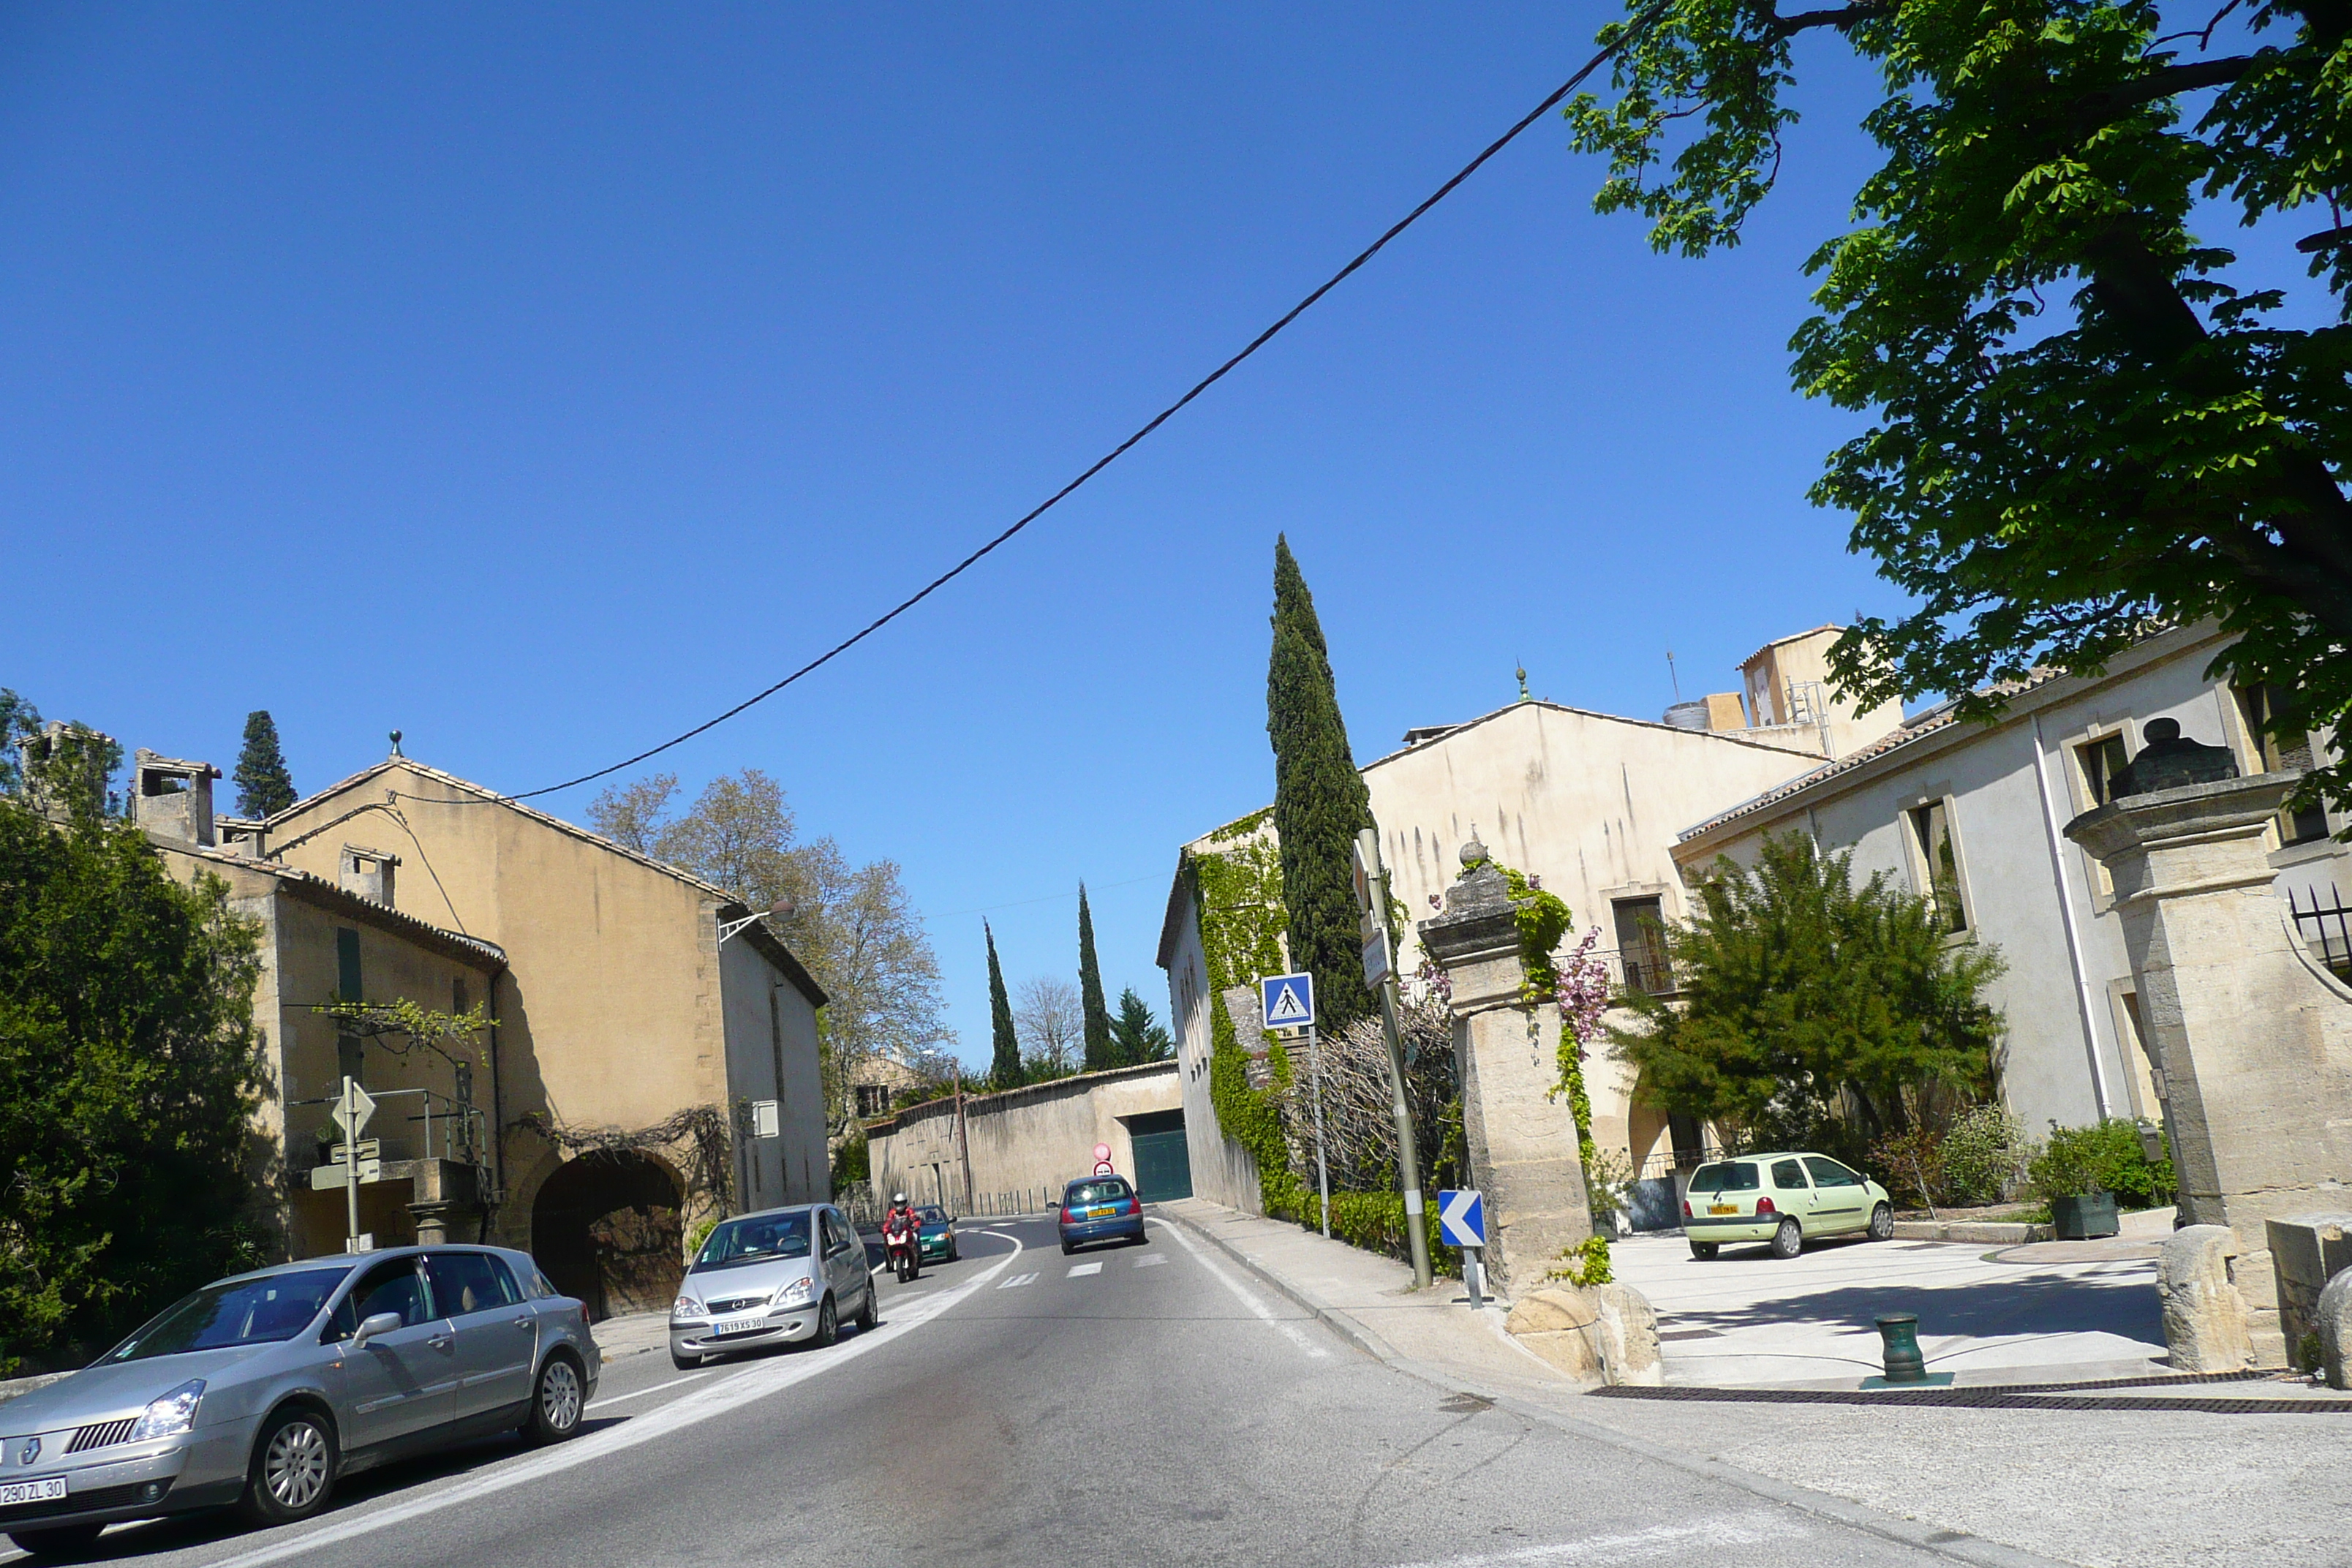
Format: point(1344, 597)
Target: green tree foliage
point(130, 1070)
point(264, 787)
point(1136, 1035)
point(71, 768)
point(1004, 1066)
point(1096, 1014)
point(2084, 422)
point(1801, 994)
point(19, 721)
point(1319, 801)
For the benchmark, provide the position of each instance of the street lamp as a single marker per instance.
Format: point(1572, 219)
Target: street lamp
point(782, 909)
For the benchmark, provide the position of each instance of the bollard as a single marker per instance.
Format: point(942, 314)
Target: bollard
point(1899, 1332)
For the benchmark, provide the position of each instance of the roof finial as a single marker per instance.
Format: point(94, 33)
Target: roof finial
point(396, 743)
point(1473, 851)
point(1523, 685)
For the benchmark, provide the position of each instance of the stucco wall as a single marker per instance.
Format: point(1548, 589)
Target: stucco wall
point(1222, 1170)
point(1024, 1140)
point(2071, 1052)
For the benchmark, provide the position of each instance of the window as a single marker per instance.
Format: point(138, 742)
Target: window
point(1731, 1176)
point(347, 965)
point(873, 1101)
point(1641, 945)
point(238, 1312)
point(392, 1287)
point(1830, 1174)
point(1110, 1190)
point(2280, 743)
point(466, 1282)
point(1931, 835)
point(1788, 1176)
point(459, 1002)
point(2101, 761)
point(755, 1238)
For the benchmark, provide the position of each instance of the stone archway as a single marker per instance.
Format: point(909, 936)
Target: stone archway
point(606, 1227)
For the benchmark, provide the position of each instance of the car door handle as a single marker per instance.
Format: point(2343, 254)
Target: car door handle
point(439, 1342)
point(525, 1324)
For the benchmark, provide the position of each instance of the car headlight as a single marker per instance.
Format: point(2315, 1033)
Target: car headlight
point(172, 1414)
point(799, 1292)
point(686, 1307)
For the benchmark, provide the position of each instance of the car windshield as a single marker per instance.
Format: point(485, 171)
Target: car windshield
point(755, 1238)
point(1733, 1176)
point(1081, 1193)
point(235, 1312)
point(932, 1215)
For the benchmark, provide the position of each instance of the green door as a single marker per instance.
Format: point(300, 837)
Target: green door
point(1163, 1165)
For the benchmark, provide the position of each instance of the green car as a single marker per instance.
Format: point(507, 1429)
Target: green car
point(935, 1241)
point(1786, 1199)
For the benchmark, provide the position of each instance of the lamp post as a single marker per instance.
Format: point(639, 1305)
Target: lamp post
point(780, 909)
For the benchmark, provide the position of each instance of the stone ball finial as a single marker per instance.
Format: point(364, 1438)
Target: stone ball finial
point(1473, 851)
point(2160, 730)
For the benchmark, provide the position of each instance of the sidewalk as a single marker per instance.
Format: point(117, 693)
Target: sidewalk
point(2008, 1483)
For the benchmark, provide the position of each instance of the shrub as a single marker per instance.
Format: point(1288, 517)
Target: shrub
point(2103, 1158)
point(1980, 1155)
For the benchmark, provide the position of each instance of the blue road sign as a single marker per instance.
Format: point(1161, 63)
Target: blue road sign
point(1460, 1218)
point(1290, 1001)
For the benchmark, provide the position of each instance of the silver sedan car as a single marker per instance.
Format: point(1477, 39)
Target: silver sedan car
point(259, 1390)
point(768, 1279)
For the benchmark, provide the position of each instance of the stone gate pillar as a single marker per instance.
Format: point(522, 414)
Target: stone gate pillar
point(2253, 1036)
point(1523, 1152)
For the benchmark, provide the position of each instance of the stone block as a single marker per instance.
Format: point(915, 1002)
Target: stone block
point(2307, 1252)
point(2205, 1326)
point(1606, 1333)
point(2333, 1322)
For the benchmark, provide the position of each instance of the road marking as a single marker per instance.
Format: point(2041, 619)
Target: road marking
point(1155, 1259)
point(641, 1393)
point(760, 1381)
point(1078, 1269)
point(1290, 1331)
point(1017, 1281)
point(1658, 1541)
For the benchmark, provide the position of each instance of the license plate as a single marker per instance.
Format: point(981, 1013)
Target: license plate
point(739, 1325)
point(1101, 1214)
point(49, 1489)
point(1723, 1208)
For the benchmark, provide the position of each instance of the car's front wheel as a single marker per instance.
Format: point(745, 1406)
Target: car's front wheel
point(557, 1402)
point(62, 1544)
point(293, 1468)
point(1789, 1240)
point(683, 1361)
point(1882, 1224)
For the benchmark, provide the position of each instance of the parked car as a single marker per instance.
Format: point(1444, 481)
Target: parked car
point(770, 1279)
point(1100, 1208)
point(260, 1392)
point(936, 1237)
point(1786, 1199)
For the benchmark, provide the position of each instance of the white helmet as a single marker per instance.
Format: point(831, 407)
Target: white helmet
point(898, 1197)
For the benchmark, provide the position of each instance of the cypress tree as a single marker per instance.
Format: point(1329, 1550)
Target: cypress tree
point(1005, 1070)
point(263, 787)
point(1319, 801)
point(1101, 1050)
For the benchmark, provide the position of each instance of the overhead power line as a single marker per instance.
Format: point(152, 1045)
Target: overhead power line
point(1633, 30)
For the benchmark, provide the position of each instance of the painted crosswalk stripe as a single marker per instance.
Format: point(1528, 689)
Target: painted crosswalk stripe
point(1076, 1269)
point(1150, 1261)
point(1018, 1280)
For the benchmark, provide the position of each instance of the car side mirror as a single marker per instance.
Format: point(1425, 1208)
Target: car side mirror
point(1052, 1202)
point(375, 1326)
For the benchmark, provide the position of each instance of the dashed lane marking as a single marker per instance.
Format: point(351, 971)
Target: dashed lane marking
point(1017, 1281)
point(1658, 1541)
point(1153, 1261)
point(1078, 1269)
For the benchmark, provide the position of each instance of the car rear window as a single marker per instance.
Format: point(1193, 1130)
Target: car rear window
point(932, 1215)
point(1731, 1176)
point(1082, 1194)
point(755, 1238)
point(235, 1312)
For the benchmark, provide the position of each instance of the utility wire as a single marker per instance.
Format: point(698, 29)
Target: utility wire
point(1633, 29)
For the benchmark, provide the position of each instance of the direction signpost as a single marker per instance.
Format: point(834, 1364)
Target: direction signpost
point(1462, 1222)
point(353, 1107)
point(1290, 1005)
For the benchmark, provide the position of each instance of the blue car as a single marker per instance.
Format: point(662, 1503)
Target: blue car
point(1100, 1208)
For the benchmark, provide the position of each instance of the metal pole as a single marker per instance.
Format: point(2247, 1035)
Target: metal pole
point(1408, 1145)
point(963, 1139)
point(350, 1165)
point(1322, 1167)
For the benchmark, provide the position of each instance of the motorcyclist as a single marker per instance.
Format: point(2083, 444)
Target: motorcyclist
point(899, 1224)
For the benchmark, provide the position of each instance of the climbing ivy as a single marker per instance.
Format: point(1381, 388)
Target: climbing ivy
point(1239, 892)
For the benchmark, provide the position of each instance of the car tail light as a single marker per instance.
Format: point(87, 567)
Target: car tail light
point(1686, 1214)
point(1764, 1206)
point(1134, 1204)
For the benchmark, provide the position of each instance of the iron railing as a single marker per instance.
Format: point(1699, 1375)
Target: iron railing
point(2326, 928)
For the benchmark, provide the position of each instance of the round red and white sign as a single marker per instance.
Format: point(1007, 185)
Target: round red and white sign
point(1102, 1152)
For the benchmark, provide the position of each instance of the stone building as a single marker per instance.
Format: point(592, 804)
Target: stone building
point(654, 1054)
point(1973, 817)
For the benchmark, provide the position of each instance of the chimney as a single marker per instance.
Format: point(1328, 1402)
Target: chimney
point(367, 872)
point(171, 797)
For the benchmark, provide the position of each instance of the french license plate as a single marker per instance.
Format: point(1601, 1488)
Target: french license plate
point(49, 1489)
point(1723, 1208)
point(739, 1325)
point(1101, 1213)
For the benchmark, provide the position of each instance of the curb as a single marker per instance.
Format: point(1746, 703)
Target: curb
point(1922, 1536)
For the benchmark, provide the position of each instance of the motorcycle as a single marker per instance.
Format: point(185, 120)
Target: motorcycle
point(902, 1246)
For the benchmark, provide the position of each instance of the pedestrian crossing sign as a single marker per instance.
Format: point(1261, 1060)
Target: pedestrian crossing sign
point(1290, 1001)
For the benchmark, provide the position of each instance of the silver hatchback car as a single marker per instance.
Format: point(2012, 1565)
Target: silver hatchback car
point(258, 1392)
point(768, 1279)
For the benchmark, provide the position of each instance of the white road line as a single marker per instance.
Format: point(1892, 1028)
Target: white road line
point(1658, 1541)
point(1290, 1331)
point(1153, 1261)
point(1078, 1269)
point(1017, 1281)
point(641, 1393)
point(758, 1380)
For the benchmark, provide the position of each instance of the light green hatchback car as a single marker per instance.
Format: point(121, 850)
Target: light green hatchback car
point(1786, 1199)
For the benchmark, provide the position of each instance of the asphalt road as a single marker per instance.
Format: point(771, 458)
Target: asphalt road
point(1135, 1405)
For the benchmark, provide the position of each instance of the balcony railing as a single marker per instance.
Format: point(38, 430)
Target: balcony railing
point(1642, 969)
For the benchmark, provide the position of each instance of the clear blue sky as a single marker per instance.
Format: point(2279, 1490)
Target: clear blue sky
point(539, 381)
